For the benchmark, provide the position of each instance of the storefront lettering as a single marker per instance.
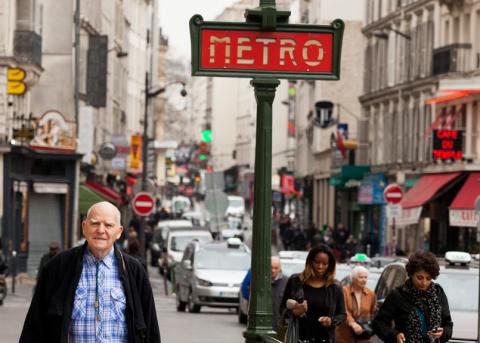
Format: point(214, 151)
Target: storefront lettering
point(447, 145)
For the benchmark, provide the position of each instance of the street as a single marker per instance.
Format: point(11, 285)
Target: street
point(210, 325)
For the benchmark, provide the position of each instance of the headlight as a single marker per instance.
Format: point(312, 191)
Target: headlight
point(204, 283)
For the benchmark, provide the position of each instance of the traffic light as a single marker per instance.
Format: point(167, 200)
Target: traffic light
point(207, 136)
point(202, 157)
point(15, 84)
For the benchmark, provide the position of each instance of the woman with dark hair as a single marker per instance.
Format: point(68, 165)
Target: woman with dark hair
point(419, 309)
point(314, 298)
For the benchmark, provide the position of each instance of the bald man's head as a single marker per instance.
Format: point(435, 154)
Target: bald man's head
point(106, 205)
point(276, 267)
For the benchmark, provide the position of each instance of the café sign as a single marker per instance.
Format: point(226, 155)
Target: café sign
point(447, 145)
point(289, 52)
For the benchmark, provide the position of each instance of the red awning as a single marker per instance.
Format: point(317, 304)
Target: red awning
point(426, 188)
point(465, 199)
point(105, 192)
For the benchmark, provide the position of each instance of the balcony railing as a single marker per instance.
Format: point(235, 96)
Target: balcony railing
point(452, 58)
point(27, 47)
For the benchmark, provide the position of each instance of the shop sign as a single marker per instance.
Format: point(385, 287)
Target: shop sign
point(463, 218)
point(409, 216)
point(243, 50)
point(371, 190)
point(447, 145)
point(136, 152)
point(53, 132)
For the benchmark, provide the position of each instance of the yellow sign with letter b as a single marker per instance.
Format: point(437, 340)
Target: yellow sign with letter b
point(15, 85)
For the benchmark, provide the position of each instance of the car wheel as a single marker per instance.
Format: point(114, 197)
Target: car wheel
point(192, 307)
point(242, 317)
point(181, 305)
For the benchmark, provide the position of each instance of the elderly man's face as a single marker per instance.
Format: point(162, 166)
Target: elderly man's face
point(102, 228)
point(276, 268)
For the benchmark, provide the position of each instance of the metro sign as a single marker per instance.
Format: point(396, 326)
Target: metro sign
point(243, 50)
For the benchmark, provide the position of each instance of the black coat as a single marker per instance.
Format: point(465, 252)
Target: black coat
point(49, 316)
point(334, 301)
point(396, 309)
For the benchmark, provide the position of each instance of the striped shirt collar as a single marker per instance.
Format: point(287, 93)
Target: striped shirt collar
point(107, 260)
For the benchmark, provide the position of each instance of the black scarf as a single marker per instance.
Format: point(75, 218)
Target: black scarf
point(428, 303)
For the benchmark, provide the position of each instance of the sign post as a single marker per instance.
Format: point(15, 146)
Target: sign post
point(393, 195)
point(265, 48)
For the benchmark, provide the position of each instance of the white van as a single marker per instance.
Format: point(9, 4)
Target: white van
point(236, 206)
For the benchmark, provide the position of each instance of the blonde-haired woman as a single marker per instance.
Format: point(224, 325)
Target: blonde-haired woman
point(360, 304)
point(320, 306)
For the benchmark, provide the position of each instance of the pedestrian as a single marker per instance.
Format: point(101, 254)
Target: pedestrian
point(279, 281)
point(340, 236)
point(419, 308)
point(360, 304)
point(94, 292)
point(53, 250)
point(134, 251)
point(317, 300)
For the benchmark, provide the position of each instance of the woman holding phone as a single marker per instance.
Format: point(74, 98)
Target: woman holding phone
point(314, 297)
point(419, 309)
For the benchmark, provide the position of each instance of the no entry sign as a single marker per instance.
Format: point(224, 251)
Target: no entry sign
point(143, 204)
point(393, 194)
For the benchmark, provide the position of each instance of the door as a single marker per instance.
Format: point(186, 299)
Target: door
point(44, 226)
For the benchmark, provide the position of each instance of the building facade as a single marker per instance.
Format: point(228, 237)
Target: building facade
point(421, 82)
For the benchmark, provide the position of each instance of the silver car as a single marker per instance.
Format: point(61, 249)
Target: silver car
point(460, 286)
point(210, 274)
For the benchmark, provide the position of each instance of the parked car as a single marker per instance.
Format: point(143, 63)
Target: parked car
point(234, 228)
point(236, 206)
point(157, 244)
point(177, 240)
point(460, 284)
point(195, 217)
point(210, 274)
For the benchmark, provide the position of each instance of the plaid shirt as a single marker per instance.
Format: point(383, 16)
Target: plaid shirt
point(105, 324)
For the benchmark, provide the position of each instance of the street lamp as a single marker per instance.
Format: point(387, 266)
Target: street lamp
point(150, 93)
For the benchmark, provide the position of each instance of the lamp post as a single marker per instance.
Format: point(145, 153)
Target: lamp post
point(149, 93)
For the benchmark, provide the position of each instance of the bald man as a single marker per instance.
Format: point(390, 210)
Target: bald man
point(279, 281)
point(93, 293)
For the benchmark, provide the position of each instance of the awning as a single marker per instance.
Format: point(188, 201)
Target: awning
point(105, 192)
point(426, 188)
point(462, 209)
point(86, 198)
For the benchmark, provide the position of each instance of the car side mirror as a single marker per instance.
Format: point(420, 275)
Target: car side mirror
point(187, 264)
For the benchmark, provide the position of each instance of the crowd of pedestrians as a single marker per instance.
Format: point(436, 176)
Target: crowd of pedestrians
point(291, 236)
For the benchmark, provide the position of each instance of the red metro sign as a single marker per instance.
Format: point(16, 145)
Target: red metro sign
point(243, 50)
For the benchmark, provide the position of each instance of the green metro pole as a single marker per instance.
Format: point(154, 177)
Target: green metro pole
point(260, 308)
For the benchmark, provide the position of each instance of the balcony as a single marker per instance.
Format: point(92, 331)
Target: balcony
point(27, 47)
point(454, 58)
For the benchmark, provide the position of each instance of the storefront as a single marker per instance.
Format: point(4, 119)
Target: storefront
point(39, 202)
point(370, 197)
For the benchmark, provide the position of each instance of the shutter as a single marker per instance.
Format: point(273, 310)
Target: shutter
point(97, 70)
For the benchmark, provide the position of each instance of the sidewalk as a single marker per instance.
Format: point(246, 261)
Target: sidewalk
point(15, 307)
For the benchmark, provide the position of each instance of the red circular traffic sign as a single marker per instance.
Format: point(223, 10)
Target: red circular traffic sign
point(393, 194)
point(143, 204)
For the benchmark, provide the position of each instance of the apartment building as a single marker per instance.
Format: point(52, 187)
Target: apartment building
point(422, 62)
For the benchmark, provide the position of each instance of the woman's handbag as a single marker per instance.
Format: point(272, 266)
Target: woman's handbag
point(367, 330)
point(292, 329)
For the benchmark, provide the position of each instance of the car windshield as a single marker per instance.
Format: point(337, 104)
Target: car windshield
point(222, 260)
point(452, 283)
point(292, 267)
point(235, 202)
point(180, 242)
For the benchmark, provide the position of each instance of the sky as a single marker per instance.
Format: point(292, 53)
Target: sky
point(174, 17)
